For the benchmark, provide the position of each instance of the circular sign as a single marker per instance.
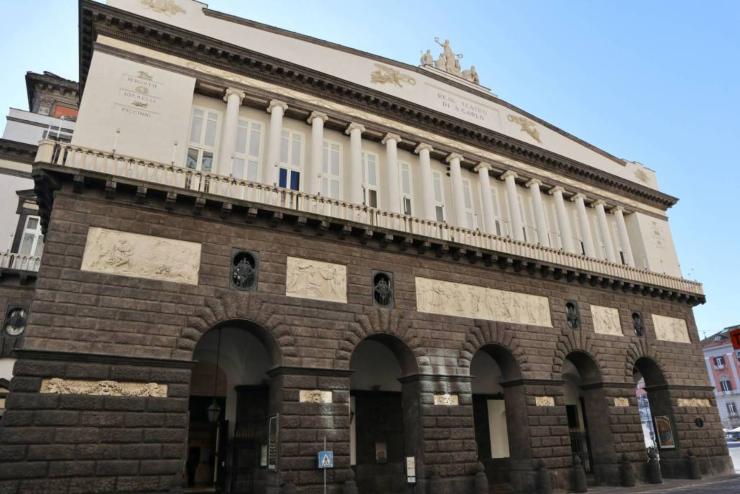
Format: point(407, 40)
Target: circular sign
point(16, 322)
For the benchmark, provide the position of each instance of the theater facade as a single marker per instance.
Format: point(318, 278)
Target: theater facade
point(260, 245)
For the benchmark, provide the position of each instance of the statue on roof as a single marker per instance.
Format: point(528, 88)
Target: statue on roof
point(449, 61)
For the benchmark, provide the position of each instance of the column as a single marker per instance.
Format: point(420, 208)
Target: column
point(427, 184)
point(314, 166)
point(587, 239)
point(391, 158)
point(513, 198)
point(484, 180)
point(355, 131)
point(539, 212)
point(624, 238)
point(566, 234)
point(604, 230)
point(233, 98)
point(276, 109)
point(458, 201)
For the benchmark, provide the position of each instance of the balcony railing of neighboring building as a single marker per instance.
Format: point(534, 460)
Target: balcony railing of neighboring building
point(67, 155)
point(18, 262)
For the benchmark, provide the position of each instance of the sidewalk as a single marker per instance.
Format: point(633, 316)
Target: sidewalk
point(711, 484)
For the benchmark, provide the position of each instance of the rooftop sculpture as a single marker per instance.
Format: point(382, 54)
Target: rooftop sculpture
point(449, 61)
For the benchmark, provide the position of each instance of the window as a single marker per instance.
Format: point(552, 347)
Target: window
point(737, 354)
point(527, 230)
point(732, 408)
point(468, 203)
point(3, 396)
point(406, 189)
point(15, 320)
point(637, 324)
point(330, 170)
point(383, 288)
point(32, 240)
point(497, 219)
point(203, 132)
point(719, 362)
point(370, 179)
point(572, 316)
point(244, 270)
point(291, 156)
point(725, 384)
point(439, 198)
point(247, 155)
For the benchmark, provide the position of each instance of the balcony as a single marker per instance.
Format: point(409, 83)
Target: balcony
point(169, 175)
point(17, 262)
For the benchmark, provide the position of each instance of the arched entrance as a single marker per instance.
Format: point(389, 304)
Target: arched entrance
point(385, 426)
point(231, 434)
point(500, 428)
point(588, 417)
point(654, 405)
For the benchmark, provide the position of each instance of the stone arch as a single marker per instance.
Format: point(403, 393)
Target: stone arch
point(638, 349)
point(574, 342)
point(486, 333)
point(234, 306)
point(378, 322)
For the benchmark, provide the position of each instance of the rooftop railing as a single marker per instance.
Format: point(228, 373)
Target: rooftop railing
point(68, 155)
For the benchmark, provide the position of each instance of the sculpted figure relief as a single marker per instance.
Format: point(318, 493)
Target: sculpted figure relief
point(317, 280)
point(670, 329)
point(606, 320)
point(449, 62)
point(102, 388)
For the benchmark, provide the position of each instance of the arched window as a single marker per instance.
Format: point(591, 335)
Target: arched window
point(244, 271)
point(571, 314)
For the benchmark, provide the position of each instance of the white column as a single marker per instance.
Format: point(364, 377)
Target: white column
point(566, 234)
point(512, 196)
point(313, 167)
point(427, 184)
point(588, 242)
point(606, 236)
point(276, 109)
point(484, 181)
point(624, 238)
point(355, 131)
point(392, 185)
point(233, 98)
point(539, 212)
point(458, 201)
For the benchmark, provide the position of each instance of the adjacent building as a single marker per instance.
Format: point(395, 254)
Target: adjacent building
point(723, 366)
point(259, 245)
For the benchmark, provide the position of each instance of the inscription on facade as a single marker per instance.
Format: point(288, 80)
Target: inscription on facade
point(102, 388)
point(306, 278)
point(621, 402)
point(606, 320)
point(314, 396)
point(544, 401)
point(447, 400)
point(141, 256)
point(457, 299)
point(670, 329)
point(694, 402)
point(139, 94)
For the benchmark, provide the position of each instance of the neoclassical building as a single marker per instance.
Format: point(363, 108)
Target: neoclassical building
point(260, 245)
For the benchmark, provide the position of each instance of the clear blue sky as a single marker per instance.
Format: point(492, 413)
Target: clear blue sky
point(656, 82)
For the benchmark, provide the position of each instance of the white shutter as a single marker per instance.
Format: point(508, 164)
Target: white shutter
point(330, 170)
point(406, 189)
point(468, 202)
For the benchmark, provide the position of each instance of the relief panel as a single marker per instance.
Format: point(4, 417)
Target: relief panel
point(306, 278)
point(457, 299)
point(606, 320)
point(141, 256)
point(60, 386)
point(670, 329)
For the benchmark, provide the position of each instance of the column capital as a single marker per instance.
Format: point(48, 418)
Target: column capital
point(617, 209)
point(230, 91)
point(423, 147)
point(598, 202)
point(317, 114)
point(354, 126)
point(276, 103)
point(534, 181)
point(578, 196)
point(507, 174)
point(482, 166)
point(555, 190)
point(391, 137)
point(452, 157)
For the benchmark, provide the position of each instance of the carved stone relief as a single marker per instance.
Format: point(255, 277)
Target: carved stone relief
point(670, 329)
point(306, 278)
point(141, 256)
point(168, 7)
point(314, 396)
point(60, 386)
point(446, 400)
point(525, 125)
point(694, 402)
point(544, 401)
point(621, 402)
point(384, 74)
point(476, 302)
point(606, 320)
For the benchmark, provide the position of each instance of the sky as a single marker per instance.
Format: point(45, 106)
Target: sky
point(651, 81)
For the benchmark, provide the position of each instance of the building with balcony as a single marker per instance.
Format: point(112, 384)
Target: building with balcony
point(260, 245)
point(723, 366)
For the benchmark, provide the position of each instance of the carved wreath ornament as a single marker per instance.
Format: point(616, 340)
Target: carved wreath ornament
point(388, 75)
point(58, 386)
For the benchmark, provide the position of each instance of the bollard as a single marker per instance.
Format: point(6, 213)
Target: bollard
point(481, 480)
point(542, 480)
point(694, 469)
point(626, 472)
point(579, 475)
point(654, 476)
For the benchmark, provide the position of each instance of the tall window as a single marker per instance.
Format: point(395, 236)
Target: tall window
point(203, 132)
point(330, 170)
point(291, 157)
point(525, 206)
point(497, 217)
point(439, 198)
point(719, 362)
point(468, 204)
point(247, 156)
point(732, 408)
point(32, 240)
point(406, 189)
point(725, 384)
point(370, 179)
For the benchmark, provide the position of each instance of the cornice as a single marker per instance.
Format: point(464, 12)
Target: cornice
point(97, 18)
point(17, 151)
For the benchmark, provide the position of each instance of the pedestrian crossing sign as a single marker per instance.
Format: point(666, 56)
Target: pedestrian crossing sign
point(326, 459)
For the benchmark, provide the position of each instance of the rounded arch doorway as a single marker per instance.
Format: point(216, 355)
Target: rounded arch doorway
point(230, 426)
